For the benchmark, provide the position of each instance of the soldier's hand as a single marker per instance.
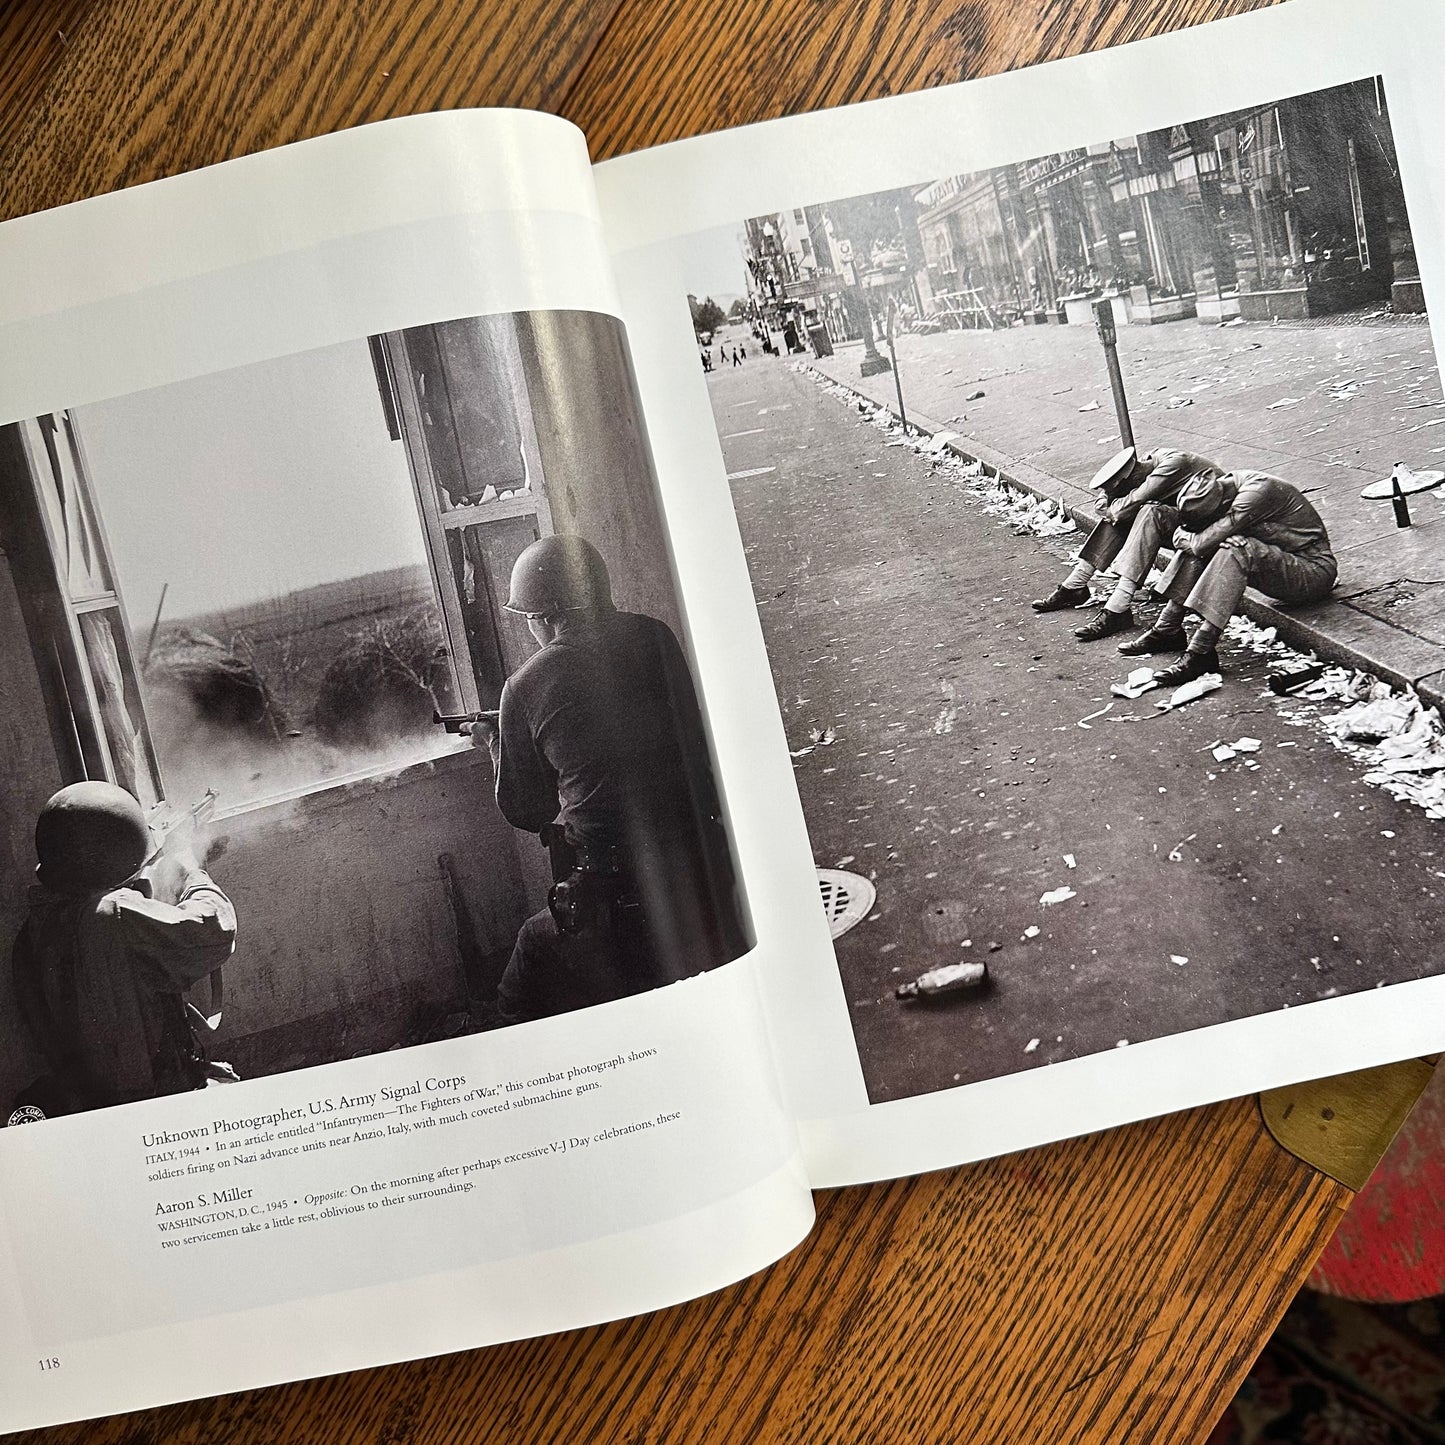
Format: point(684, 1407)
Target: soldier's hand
point(483, 733)
point(1184, 540)
point(179, 859)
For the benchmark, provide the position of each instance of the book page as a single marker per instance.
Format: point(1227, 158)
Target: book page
point(939, 385)
point(383, 974)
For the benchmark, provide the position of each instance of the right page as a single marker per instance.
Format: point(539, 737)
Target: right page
point(1065, 446)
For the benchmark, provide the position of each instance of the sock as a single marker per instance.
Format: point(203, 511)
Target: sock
point(1171, 618)
point(1122, 595)
point(1079, 577)
point(1205, 636)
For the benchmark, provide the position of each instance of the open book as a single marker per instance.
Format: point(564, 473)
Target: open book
point(522, 693)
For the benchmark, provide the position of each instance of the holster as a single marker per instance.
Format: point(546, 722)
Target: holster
point(597, 889)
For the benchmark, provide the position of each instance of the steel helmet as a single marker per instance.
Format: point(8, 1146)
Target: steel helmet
point(1203, 498)
point(559, 574)
point(90, 836)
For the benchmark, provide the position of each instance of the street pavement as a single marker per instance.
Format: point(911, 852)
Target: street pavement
point(950, 762)
point(1330, 405)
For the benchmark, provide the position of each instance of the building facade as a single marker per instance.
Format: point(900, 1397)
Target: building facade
point(1289, 209)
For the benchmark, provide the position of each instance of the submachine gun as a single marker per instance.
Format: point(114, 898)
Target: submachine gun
point(462, 722)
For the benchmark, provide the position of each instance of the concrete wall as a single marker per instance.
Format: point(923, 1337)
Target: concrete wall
point(347, 941)
point(595, 457)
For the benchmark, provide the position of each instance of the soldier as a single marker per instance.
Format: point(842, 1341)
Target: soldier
point(1129, 482)
point(1244, 529)
point(599, 747)
point(101, 964)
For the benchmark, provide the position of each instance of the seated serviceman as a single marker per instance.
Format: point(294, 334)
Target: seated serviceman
point(101, 965)
point(1245, 529)
point(1128, 481)
point(599, 746)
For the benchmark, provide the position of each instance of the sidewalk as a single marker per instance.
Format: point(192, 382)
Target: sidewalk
point(1329, 406)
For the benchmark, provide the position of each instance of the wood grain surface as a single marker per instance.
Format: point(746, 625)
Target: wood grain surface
point(1110, 1290)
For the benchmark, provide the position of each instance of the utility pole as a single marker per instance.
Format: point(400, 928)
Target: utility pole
point(1104, 320)
point(897, 379)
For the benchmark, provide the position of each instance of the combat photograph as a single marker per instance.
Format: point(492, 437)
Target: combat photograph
point(1094, 513)
point(346, 708)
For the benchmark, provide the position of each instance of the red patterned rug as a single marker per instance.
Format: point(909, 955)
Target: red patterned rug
point(1340, 1373)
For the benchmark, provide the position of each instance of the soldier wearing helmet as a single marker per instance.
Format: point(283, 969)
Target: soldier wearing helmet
point(599, 747)
point(1130, 482)
point(101, 963)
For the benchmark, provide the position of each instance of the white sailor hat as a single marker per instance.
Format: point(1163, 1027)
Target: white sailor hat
point(1117, 467)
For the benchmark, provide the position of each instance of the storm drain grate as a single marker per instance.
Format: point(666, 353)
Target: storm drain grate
point(847, 898)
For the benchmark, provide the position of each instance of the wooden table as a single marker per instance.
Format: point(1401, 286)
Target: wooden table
point(1112, 1289)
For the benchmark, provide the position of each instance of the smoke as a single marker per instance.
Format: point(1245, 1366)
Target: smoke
point(262, 716)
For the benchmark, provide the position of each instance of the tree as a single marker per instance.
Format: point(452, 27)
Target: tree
point(737, 310)
point(707, 315)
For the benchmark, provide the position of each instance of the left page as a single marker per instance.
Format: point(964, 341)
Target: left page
point(307, 463)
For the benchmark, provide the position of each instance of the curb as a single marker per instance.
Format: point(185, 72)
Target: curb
point(1303, 633)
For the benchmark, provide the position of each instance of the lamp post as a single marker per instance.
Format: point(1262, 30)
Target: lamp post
point(874, 361)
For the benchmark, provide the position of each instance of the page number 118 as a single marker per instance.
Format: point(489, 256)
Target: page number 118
point(49, 1364)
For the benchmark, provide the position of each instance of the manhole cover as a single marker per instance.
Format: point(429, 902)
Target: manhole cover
point(847, 899)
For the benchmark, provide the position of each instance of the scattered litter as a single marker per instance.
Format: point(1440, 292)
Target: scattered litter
point(1373, 721)
point(1175, 402)
point(1284, 401)
point(1246, 745)
point(1090, 406)
point(1209, 682)
point(1088, 717)
point(1122, 1044)
point(974, 396)
point(822, 737)
point(1140, 681)
point(1180, 958)
point(845, 860)
point(1176, 853)
point(1069, 861)
point(1057, 895)
point(1032, 931)
point(1223, 753)
point(1031, 1046)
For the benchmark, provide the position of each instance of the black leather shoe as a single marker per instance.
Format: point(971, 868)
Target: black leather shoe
point(1172, 639)
point(1190, 666)
point(1104, 624)
point(1062, 599)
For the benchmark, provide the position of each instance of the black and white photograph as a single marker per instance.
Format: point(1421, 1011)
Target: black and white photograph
point(347, 708)
point(1093, 509)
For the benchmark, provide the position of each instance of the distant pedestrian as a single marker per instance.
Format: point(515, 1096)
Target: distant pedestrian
point(743, 352)
point(737, 360)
